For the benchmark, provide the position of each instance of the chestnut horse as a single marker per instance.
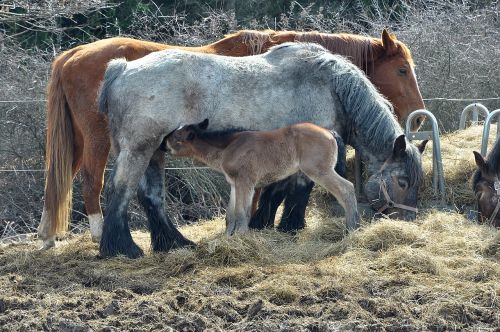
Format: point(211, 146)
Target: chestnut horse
point(486, 186)
point(148, 98)
point(251, 159)
point(77, 135)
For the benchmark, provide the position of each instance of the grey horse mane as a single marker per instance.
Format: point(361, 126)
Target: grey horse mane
point(371, 116)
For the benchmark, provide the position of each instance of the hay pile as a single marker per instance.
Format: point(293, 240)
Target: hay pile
point(441, 272)
point(438, 273)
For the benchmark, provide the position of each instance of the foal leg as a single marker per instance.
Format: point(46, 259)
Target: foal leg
point(299, 191)
point(243, 207)
point(116, 238)
point(230, 217)
point(343, 191)
point(151, 195)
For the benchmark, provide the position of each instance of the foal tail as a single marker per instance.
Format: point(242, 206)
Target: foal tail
point(58, 155)
point(115, 68)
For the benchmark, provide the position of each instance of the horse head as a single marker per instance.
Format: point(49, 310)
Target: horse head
point(179, 141)
point(485, 183)
point(393, 187)
point(393, 74)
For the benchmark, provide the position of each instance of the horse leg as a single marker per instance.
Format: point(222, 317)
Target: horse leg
point(95, 157)
point(116, 238)
point(230, 217)
point(270, 199)
point(255, 200)
point(343, 191)
point(299, 190)
point(151, 195)
point(243, 207)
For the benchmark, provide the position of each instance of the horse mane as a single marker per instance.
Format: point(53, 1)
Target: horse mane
point(219, 138)
point(368, 112)
point(254, 39)
point(360, 50)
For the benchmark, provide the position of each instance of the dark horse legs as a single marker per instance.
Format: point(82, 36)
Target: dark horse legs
point(149, 186)
point(151, 195)
point(295, 190)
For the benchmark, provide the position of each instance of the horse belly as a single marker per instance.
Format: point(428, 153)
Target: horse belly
point(277, 175)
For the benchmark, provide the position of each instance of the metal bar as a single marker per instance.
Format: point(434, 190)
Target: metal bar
point(474, 109)
point(438, 183)
point(486, 131)
point(420, 136)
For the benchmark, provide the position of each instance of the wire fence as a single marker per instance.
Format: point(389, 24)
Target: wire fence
point(192, 193)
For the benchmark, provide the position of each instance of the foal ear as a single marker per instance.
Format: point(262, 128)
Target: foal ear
point(203, 125)
point(421, 146)
point(480, 162)
point(399, 146)
point(389, 43)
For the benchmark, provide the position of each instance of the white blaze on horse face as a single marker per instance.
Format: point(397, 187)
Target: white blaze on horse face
point(96, 222)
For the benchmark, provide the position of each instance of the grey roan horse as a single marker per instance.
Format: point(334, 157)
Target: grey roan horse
point(148, 98)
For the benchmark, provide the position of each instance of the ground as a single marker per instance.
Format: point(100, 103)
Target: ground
point(440, 272)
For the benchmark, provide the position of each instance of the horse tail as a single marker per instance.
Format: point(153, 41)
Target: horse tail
point(340, 167)
point(115, 68)
point(58, 154)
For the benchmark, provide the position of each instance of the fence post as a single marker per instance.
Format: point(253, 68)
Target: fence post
point(474, 108)
point(486, 130)
point(438, 184)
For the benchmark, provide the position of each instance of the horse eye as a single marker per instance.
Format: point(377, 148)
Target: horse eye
point(403, 71)
point(403, 183)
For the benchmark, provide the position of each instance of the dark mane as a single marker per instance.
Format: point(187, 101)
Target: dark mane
point(220, 138)
point(372, 117)
point(494, 157)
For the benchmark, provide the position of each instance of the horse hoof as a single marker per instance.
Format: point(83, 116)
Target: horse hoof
point(47, 244)
point(132, 251)
point(185, 243)
point(95, 239)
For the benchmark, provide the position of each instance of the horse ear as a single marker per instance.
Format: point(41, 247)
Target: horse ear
point(399, 146)
point(389, 43)
point(421, 146)
point(480, 162)
point(203, 125)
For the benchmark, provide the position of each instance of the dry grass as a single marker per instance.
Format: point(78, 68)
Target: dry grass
point(438, 273)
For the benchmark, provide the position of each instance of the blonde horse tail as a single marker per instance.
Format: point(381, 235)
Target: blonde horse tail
point(114, 69)
point(58, 156)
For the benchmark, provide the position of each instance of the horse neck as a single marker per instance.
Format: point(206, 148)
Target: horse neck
point(209, 150)
point(362, 51)
point(494, 158)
